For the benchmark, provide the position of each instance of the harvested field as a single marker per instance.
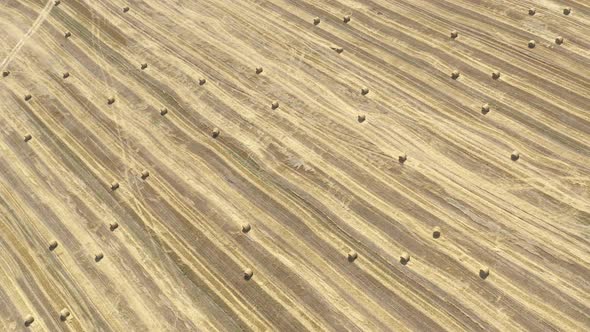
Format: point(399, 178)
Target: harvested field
point(397, 165)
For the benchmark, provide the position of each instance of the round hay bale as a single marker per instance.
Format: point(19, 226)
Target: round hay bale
point(352, 256)
point(52, 245)
point(111, 100)
point(316, 21)
point(567, 11)
point(532, 11)
point(274, 105)
point(365, 91)
point(436, 232)
point(56, 3)
point(114, 225)
point(404, 258)
point(163, 111)
point(484, 272)
point(496, 75)
point(64, 314)
point(28, 97)
point(29, 319)
point(145, 173)
point(202, 81)
point(246, 227)
point(485, 108)
point(215, 132)
point(67, 34)
point(248, 273)
point(402, 158)
point(532, 44)
point(5, 73)
point(259, 70)
point(338, 49)
point(455, 74)
point(114, 185)
point(28, 137)
point(98, 257)
point(559, 40)
point(125, 9)
point(144, 66)
point(361, 118)
point(346, 18)
point(515, 155)
point(454, 34)
point(66, 75)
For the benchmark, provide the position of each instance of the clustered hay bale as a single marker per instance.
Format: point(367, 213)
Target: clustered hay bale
point(145, 173)
point(404, 258)
point(259, 70)
point(532, 44)
point(361, 118)
point(5, 73)
point(402, 158)
point(28, 137)
point(52, 245)
point(29, 319)
point(515, 155)
point(346, 18)
point(455, 74)
point(496, 75)
point(248, 273)
point(114, 185)
point(532, 11)
point(364, 91)
point(202, 81)
point(484, 272)
point(64, 314)
point(111, 100)
point(114, 225)
point(98, 257)
point(125, 9)
point(67, 34)
point(215, 132)
point(66, 75)
point(454, 34)
point(436, 232)
point(316, 21)
point(352, 256)
point(163, 111)
point(143, 66)
point(567, 11)
point(274, 105)
point(28, 97)
point(246, 227)
point(559, 40)
point(485, 108)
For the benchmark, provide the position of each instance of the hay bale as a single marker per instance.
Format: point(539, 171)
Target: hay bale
point(361, 118)
point(145, 173)
point(484, 272)
point(114, 185)
point(274, 105)
point(364, 91)
point(455, 74)
point(346, 18)
point(352, 256)
point(559, 40)
point(215, 132)
point(98, 257)
point(515, 155)
point(143, 66)
point(28, 137)
point(67, 34)
point(259, 70)
point(485, 108)
point(496, 75)
point(52, 245)
point(248, 273)
point(66, 75)
point(404, 258)
point(532, 44)
point(402, 158)
point(246, 227)
point(567, 11)
point(111, 100)
point(454, 34)
point(114, 225)
point(316, 21)
point(64, 314)
point(202, 81)
point(532, 11)
point(163, 111)
point(29, 319)
point(5, 73)
point(56, 3)
point(125, 9)
point(338, 49)
point(28, 97)
point(436, 232)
